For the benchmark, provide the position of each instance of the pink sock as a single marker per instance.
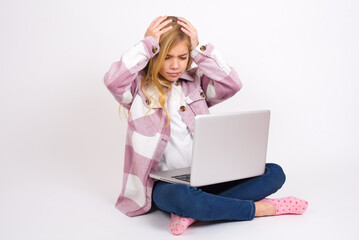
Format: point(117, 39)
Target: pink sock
point(179, 224)
point(288, 205)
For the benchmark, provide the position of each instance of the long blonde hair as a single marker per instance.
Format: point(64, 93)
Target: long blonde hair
point(152, 77)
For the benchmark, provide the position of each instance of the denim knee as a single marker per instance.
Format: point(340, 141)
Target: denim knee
point(277, 172)
point(160, 191)
point(170, 197)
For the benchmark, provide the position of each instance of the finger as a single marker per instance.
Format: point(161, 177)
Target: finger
point(153, 22)
point(183, 19)
point(189, 27)
point(186, 21)
point(165, 30)
point(164, 23)
point(186, 32)
point(158, 20)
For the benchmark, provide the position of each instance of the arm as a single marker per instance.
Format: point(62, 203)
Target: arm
point(219, 81)
point(120, 78)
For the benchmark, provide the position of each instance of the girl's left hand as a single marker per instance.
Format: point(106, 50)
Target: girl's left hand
point(188, 29)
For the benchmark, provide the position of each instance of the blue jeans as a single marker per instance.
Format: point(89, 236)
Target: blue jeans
point(225, 201)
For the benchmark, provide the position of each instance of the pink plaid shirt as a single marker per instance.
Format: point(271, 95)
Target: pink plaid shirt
point(213, 81)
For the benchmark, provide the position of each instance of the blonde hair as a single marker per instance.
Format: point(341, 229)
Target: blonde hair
point(152, 77)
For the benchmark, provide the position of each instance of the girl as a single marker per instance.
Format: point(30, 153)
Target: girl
point(155, 82)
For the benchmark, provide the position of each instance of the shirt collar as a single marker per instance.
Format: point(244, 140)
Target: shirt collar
point(187, 76)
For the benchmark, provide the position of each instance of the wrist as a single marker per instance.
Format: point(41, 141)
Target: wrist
point(195, 45)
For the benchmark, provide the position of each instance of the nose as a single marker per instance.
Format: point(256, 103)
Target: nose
point(174, 64)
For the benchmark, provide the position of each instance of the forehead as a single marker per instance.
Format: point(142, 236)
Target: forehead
point(178, 48)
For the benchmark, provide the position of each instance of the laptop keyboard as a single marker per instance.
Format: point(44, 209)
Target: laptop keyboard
point(184, 177)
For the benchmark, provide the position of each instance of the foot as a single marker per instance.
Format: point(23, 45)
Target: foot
point(264, 209)
point(179, 224)
point(288, 205)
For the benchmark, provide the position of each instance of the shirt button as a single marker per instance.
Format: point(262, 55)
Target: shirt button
point(183, 108)
point(154, 49)
point(203, 48)
point(203, 95)
point(148, 101)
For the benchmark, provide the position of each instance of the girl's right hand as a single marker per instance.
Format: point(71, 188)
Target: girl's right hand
point(154, 30)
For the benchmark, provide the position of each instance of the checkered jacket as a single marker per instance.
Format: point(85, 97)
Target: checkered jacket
point(211, 82)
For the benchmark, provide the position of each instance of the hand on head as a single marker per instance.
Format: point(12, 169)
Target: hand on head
point(190, 30)
point(156, 29)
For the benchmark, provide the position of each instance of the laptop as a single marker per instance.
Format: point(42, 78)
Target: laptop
point(226, 147)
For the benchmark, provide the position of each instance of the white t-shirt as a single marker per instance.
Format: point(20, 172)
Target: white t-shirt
point(178, 152)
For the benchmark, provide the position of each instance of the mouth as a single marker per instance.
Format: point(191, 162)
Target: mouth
point(173, 74)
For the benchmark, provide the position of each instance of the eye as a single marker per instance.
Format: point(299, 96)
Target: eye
point(183, 58)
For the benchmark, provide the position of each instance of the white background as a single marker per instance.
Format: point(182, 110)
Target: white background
point(62, 139)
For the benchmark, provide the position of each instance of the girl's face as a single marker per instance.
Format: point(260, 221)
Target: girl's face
point(175, 62)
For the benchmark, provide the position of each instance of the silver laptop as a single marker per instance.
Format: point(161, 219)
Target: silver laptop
point(226, 147)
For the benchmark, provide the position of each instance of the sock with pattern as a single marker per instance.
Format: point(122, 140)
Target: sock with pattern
point(288, 205)
point(179, 224)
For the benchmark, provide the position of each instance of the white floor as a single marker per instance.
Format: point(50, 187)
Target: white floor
point(68, 199)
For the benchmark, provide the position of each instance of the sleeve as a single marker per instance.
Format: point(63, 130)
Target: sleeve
point(120, 78)
point(219, 81)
